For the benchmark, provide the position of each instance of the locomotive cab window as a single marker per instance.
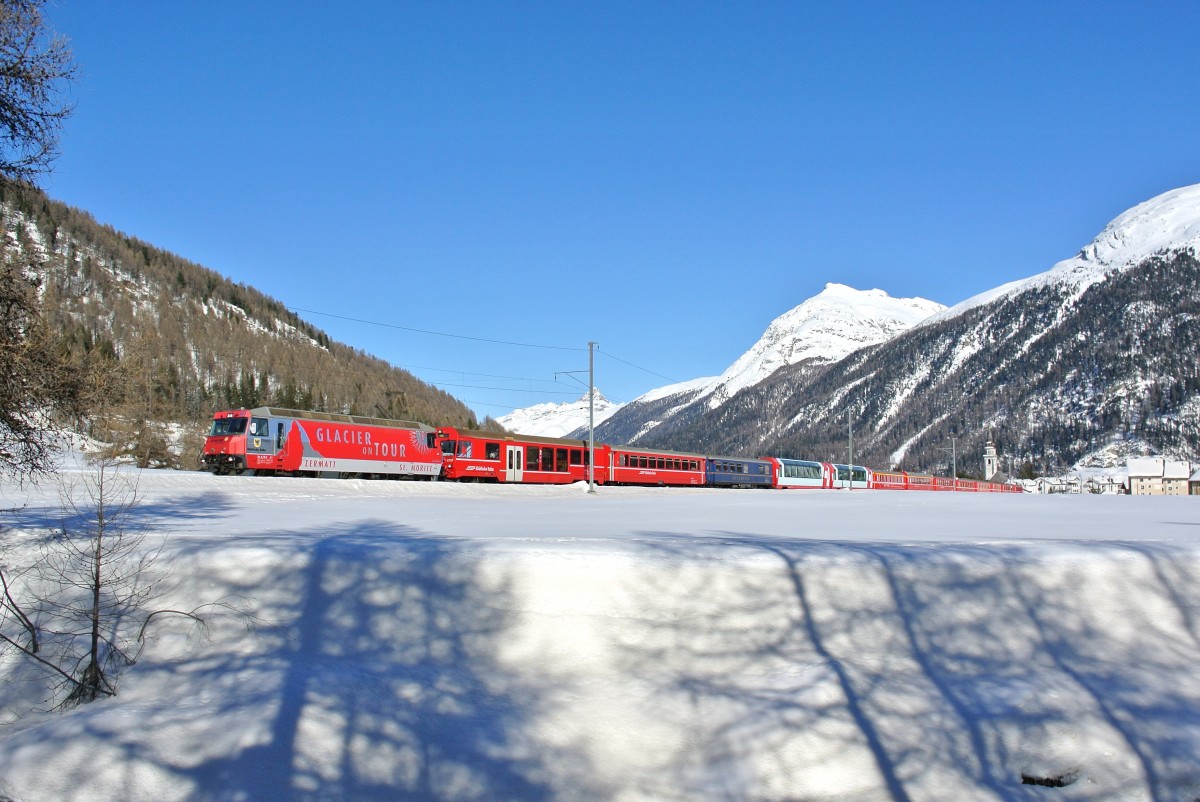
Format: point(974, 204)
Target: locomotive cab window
point(260, 427)
point(449, 447)
point(227, 426)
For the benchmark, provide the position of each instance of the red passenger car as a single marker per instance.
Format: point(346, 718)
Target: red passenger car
point(889, 480)
point(638, 466)
point(492, 457)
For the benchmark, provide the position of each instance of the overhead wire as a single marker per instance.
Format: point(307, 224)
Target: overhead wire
point(436, 333)
point(471, 338)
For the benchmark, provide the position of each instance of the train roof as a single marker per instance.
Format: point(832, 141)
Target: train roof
point(334, 417)
point(740, 459)
point(654, 452)
point(508, 437)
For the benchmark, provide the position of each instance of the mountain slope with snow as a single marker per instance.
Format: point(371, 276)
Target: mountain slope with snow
point(1081, 365)
point(558, 420)
point(823, 329)
point(1170, 221)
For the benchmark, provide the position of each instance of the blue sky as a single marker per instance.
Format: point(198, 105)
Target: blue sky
point(662, 178)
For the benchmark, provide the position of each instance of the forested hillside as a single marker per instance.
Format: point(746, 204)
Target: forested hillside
point(177, 341)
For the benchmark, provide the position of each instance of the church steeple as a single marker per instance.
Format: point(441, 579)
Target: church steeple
point(991, 461)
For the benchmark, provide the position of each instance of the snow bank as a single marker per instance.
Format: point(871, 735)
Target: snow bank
point(444, 642)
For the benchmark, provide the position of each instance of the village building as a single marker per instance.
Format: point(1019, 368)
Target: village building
point(1155, 476)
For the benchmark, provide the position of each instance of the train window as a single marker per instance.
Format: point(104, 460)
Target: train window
point(660, 464)
point(576, 456)
point(586, 459)
point(225, 426)
point(547, 459)
point(259, 427)
point(466, 448)
point(449, 447)
point(560, 459)
point(531, 459)
point(430, 439)
point(492, 451)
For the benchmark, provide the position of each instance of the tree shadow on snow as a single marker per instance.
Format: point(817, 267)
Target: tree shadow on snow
point(156, 515)
point(926, 670)
point(379, 683)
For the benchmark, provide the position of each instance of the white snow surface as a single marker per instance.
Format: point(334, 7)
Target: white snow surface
point(1169, 221)
point(558, 420)
point(433, 641)
point(827, 327)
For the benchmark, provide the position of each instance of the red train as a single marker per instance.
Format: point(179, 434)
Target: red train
point(266, 441)
point(287, 442)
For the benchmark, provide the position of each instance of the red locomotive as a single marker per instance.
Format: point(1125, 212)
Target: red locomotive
point(270, 441)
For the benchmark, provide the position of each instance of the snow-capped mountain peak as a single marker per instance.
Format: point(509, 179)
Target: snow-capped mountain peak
point(557, 420)
point(823, 329)
point(1170, 220)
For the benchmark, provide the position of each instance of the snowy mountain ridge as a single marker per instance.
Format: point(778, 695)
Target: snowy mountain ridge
point(1167, 221)
point(558, 420)
point(1079, 366)
point(823, 329)
point(827, 327)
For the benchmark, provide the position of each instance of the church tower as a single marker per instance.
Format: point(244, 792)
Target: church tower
point(991, 462)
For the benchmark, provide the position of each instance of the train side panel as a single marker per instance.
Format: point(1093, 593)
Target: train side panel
point(639, 466)
point(737, 472)
point(889, 480)
point(269, 440)
point(799, 474)
point(516, 459)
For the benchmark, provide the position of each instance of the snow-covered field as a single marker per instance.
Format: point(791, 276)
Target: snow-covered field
point(426, 641)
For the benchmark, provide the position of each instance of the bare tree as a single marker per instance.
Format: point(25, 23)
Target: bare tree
point(37, 379)
point(98, 567)
point(83, 609)
point(35, 66)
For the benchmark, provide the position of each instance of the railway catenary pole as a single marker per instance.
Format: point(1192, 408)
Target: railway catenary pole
point(850, 448)
point(591, 417)
point(953, 449)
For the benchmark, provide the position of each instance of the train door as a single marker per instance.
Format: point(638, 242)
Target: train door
point(514, 463)
point(258, 438)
